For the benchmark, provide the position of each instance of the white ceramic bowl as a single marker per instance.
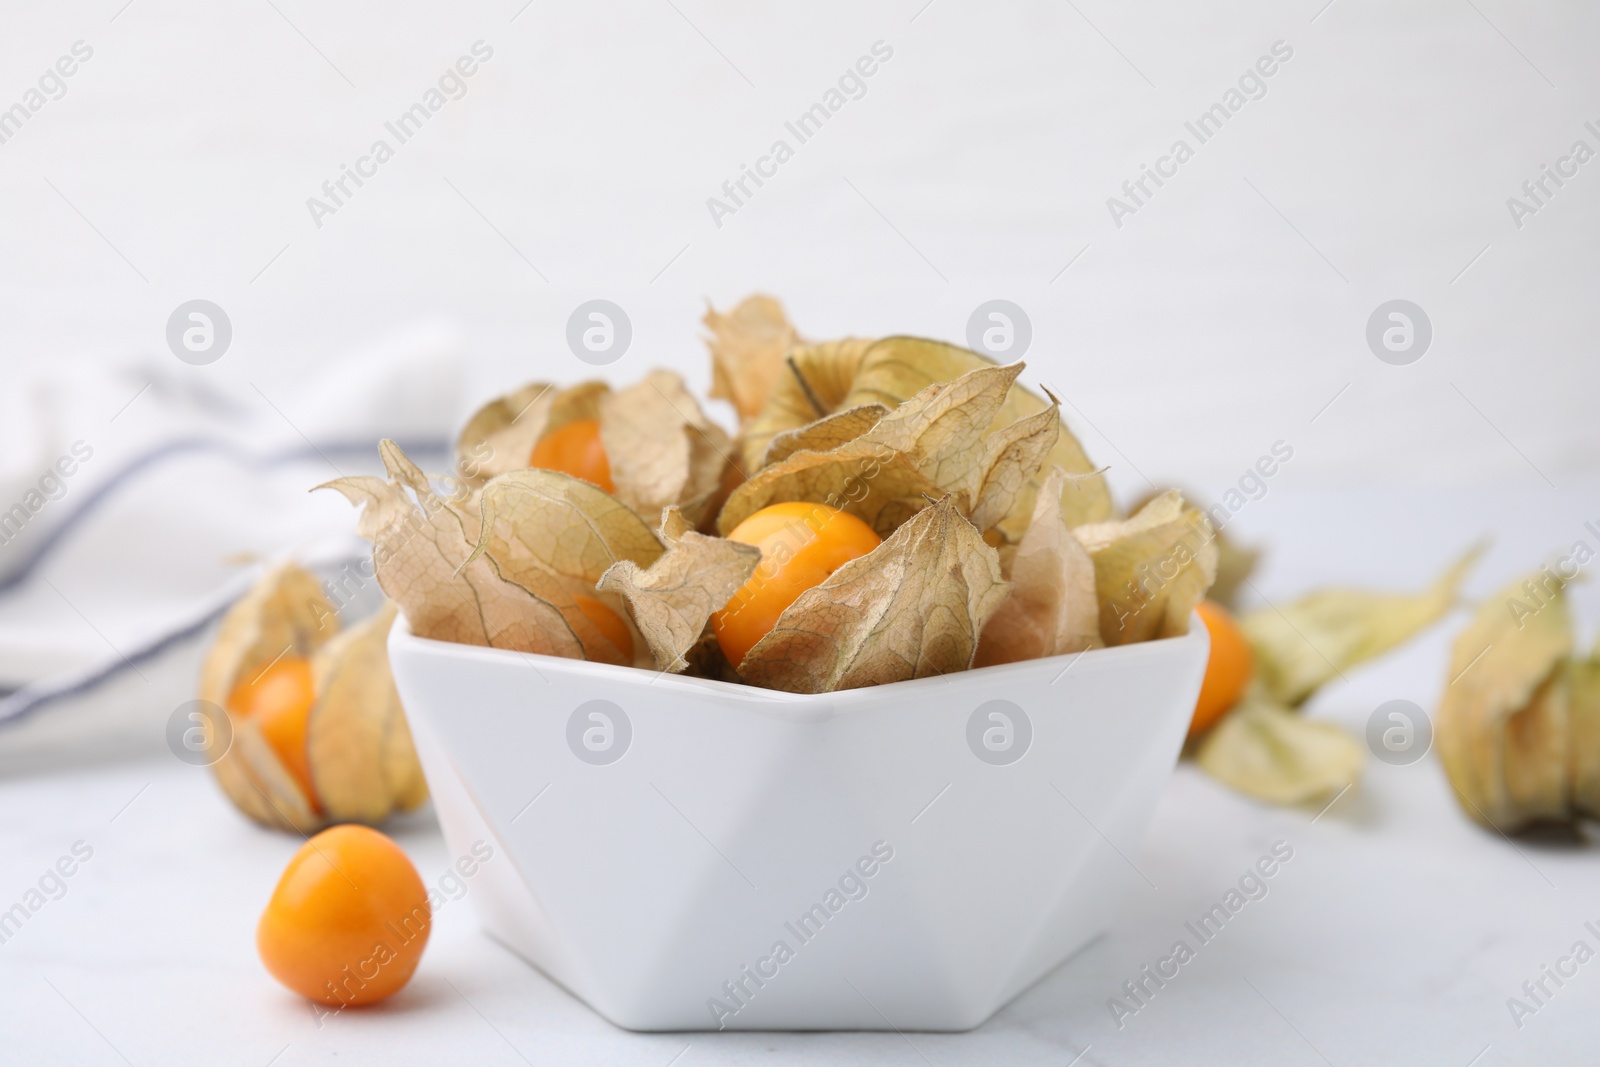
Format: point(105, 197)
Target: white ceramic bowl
point(921, 851)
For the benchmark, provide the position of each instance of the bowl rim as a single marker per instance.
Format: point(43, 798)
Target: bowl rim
point(1118, 657)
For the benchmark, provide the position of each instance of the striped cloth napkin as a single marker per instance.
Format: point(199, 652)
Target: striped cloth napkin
point(139, 500)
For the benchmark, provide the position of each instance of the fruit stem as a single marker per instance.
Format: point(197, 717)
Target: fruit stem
point(805, 387)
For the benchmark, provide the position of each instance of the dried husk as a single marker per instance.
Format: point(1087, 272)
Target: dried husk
point(363, 764)
point(881, 429)
point(1584, 750)
point(813, 383)
point(707, 660)
point(1235, 562)
point(672, 600)
point(827, 378)
point(1270, 752)
point(1014, 455)
point(1517, 726)
point(1151, 570)
point(277, 800)
point(1265, 750)
point(663, 450)
point(1302, 645)
point(359, 748)
point(427, 563)
point(827, 433)
point(912, 607)
point(1052, 609)
point(936, 443)
point(897, 368)
point(555, 535)
point(748, 346)
point(875, 483)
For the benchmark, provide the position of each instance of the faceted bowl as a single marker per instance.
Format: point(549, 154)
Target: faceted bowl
point(684, 854)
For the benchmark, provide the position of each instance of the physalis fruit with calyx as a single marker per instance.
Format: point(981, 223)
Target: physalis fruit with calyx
point(888, 510)
point(317, 732)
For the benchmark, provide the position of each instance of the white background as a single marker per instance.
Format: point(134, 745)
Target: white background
point(1194, 336)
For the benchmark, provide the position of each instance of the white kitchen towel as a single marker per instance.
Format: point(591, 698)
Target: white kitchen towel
point(137, 502)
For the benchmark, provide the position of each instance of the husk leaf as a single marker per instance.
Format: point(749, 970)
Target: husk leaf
point(748, 346)
point(1584, 685)
point(1015, 453)
point(555, 535)
point(426, 563)
point(264, 774)
point(1316, 638)
point(1269, 752)
point(1151, 570)
point(934, 444)
point(662, 449)
point(1052, 609)
point(1505, 726)
point(1235, 562)
point(672, 600)
point(814, 382)
point(828, 432)
point(897, 368)
point(362, 761)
